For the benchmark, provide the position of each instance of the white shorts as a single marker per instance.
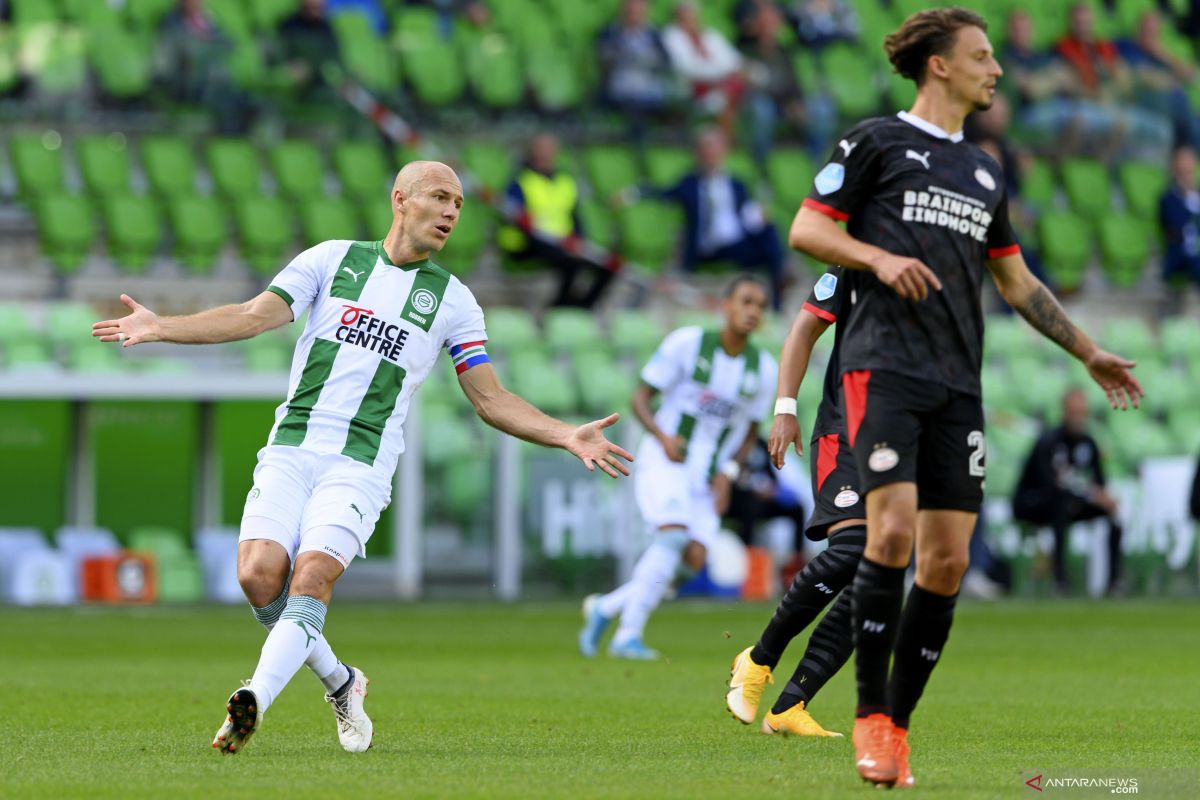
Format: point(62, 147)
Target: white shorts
point(668, 495)
point(307, 501)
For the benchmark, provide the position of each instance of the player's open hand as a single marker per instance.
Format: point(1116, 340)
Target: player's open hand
point(588, 444)
point(140, 326)
point(785, 430)
point(1113, 375)
point(909, 277)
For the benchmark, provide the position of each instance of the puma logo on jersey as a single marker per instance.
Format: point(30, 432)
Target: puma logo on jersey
point(357, 275)
point(915, 156)
point(847, 148)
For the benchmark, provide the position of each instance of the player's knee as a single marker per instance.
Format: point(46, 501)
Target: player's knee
point(261, 582)
point(694, 555)
point(941, 573)
point(893, 539)
point(315, 579)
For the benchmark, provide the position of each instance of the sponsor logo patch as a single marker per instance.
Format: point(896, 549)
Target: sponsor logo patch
point(883, 459)
point(845, 498)
point(825, 287)
point(830, 178)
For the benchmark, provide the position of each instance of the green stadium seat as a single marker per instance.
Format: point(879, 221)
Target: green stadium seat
point(599, 224)
point(15, 323)
point(1180, 337)
point(467, 487)
point(1038, 185)
point(790, 173)
point(1087, 187)
point(179, 577)
point(512, 330)
point(104, 163)
point(66, 229)
point(92, 358)
point(604, 387)
point(134, 226)
point(200, 230)
point(554, 78)
point(267, 354)
point(849, 76)
point(1124, 248)
point(1132, 338)
point(233, 17)
point(169, 164)
point(298, 170)
point(665, 166)
point(572, 331)
point(610, 168)
point(1183, 425)
point(414, 25)
point(37, 162)
point(34, 12)
point(122, 60)
point(363, 170)
point(56, 57)
point(649, 230)
point(636, 334)
point(365, 55)
point(740, 165)
point(489, 163)
point(264, 231)
point(147, 14)
point(324, 218)
point(269, 13)
point(440, 424)
point(466, 243)
point(1066, 247)
point(435, 72)
point(543, 383)
point(233, 164)
point(1142, 184)
point(494, 73)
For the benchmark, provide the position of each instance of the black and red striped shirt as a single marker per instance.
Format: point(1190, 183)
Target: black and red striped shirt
point(905, 185)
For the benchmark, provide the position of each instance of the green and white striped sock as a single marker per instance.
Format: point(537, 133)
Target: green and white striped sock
point(287, 647)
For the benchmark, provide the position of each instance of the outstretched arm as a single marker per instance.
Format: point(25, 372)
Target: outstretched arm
point(222, 324)
point(513, 415)
point(793, 364)
point(1033, 301)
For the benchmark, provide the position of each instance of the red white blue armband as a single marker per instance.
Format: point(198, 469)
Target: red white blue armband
point(467, 355)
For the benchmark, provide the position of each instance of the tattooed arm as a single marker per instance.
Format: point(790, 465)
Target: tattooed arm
point(1033, 301)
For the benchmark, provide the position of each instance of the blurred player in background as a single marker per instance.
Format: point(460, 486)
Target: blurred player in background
point(926, 214)
point(715, 386)
point(839, 516)
point(381, 314)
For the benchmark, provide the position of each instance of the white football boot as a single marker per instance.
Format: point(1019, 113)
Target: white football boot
point(355, 730)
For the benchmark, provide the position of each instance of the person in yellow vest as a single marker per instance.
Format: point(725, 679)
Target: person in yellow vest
point(543, 202)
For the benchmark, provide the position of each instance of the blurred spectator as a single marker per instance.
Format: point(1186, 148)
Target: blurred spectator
point(637, 77)
point(822, 22)
point(1063, 483)
point(371, 9)
point(1102, 80)
point(773, 95)
point(474, 12)
point(1179, 216)
point(708, 62)
point(1160, 77)
point(722, 221)
point(1031, 75)
point(193, 64)
point(543, 202)
point(307, 43)
point(1194, 500)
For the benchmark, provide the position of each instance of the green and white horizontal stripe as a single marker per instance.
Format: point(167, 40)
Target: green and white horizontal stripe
point(309, 610)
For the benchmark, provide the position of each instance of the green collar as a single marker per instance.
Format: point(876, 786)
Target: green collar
point(423, 263)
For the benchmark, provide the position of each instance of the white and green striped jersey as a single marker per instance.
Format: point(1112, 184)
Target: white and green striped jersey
point(374, 333)
point(709, 397)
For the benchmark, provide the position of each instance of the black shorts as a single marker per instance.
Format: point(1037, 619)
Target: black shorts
point(906, 429)
point(836, 493)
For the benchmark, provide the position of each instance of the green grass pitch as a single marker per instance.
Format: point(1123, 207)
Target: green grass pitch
point(493, 701)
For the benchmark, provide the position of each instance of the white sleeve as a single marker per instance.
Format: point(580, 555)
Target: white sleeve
point(300, 282)
point(467, 323)
point(669, 363)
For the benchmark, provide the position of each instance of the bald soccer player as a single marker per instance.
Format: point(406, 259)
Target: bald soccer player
point(382, 312)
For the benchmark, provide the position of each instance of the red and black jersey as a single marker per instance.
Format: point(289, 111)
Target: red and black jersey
point(830, 300)
point(905, 185)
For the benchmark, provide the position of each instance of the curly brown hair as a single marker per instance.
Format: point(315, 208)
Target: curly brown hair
point(927, 33)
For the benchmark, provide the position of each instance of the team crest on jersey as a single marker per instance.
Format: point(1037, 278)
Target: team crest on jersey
point(825, 287)
point(845, 498)
point(424, 301)
point(830, 178)
point(985, 179)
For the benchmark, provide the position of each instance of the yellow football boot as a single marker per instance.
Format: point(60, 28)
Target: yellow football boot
point(746, 683)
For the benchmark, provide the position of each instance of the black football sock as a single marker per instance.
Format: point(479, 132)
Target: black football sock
point(814, 586)
point(829, 648)
point(924, 628)
point(878, 593)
